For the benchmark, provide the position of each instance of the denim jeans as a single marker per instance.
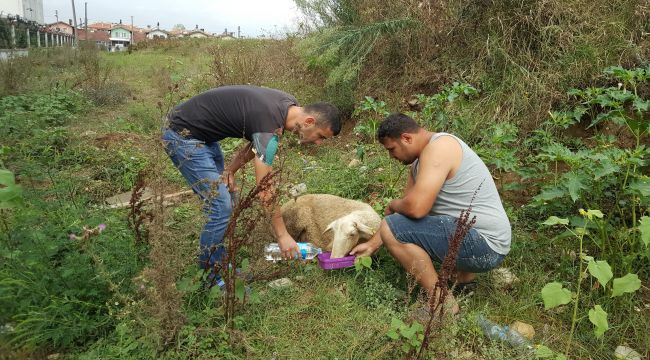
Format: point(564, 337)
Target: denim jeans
point(202, 164)
point(432, 233)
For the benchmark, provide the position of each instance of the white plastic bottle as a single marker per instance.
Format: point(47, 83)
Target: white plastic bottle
point(503, 333)
point(307, 251)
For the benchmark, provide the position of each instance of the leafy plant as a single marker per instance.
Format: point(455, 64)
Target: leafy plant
point(498, 149)
point(10, 193)
point(411, 336)
point(554, 294)
point(434, 114)
point(375, 112)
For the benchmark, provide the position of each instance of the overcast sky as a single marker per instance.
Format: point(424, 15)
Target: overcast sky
point(256, 17)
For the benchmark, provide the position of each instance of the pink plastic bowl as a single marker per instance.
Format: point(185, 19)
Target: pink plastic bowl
point(330, 264)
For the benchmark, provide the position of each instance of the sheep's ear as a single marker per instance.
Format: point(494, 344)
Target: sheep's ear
point(364, 229)
point(330, 226)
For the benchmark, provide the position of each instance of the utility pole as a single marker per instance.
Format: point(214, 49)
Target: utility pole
point(86, 19)
point(74, 32)
point(132, 37)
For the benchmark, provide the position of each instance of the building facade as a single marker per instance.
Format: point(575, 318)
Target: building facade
point(26, 9)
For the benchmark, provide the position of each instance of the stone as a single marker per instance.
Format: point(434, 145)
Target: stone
point(298, 190)
point(354, 162)
point(125, 197)
point(280, 283)
point(624, 352)
point(503, 278)
point(524, 329)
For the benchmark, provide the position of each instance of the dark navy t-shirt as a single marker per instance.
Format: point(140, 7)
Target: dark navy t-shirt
point(239, 111)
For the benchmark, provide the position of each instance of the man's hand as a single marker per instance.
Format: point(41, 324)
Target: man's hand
point(288, 247)
point(365, 249)
point(228, 178)
point(388, 210)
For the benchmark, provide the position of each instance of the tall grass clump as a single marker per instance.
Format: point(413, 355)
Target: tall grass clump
point(521, 54)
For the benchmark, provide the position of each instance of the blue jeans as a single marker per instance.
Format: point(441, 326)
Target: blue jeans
point(201, 164)
point(432, 233)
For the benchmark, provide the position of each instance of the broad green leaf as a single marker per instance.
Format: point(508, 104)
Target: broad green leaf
point(244, 264)
point(642, 187)
point(366, 261)
point(591, 213)
point(644, 229)
point(7, 178)
point(626, 284)
point(240, 289)
point(543, 352)
point(392, 333)
point(606, 168)
point(215, 292)
point(641, 105)
point(10, 197)
point(408, 331)
point(187, 285)
point(575, 184)
point(554, 220)
point(550, 194)
point(396, 323)
point(598, 317)
point(555, 295)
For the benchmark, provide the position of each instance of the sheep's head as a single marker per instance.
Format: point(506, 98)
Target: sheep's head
point(347, 231)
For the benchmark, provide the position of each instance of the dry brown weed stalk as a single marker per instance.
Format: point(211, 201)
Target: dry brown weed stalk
point(439, 295)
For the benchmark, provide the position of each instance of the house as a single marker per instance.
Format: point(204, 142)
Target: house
point(31, 10)
point(158, 34)
point(61, 27)
point(120, 37)
point(198, 34)
point(226, 35)
point(101, 38)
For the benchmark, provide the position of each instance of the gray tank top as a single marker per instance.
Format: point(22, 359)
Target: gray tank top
point(456, 194)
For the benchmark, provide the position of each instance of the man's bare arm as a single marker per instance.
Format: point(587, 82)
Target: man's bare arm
point(242, 157)
point(287, 244)
point(437, 161)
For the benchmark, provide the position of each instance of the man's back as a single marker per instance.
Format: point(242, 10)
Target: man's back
point(232, 111)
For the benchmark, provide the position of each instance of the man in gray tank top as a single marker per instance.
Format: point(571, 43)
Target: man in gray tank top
point(446, 178)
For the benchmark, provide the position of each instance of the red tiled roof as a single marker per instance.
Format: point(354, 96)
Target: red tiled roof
point(100, 26)
point(94, 35)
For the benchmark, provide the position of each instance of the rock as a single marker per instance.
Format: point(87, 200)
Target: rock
point(354, 162)
point(524, 329)
point(624, 352)
point(503, 278)
point(125, 197)
point(298, 190)
point(53, 356)
point(280, 283)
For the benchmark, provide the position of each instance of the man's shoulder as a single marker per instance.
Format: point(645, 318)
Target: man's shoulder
point(442, 145)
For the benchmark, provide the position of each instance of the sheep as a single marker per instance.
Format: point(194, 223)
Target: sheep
point(330, 222)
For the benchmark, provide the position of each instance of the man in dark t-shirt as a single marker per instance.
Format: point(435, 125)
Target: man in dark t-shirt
point(259, 115)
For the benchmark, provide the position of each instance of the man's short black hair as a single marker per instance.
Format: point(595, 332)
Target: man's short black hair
point(396, 124)
point(326, 115)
